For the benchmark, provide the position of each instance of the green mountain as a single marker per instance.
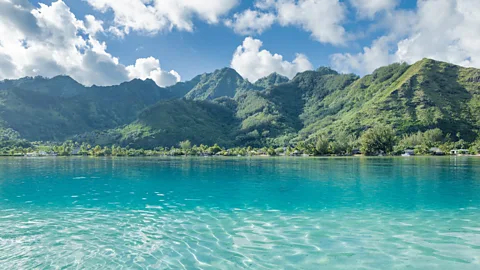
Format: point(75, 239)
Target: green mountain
point(423, 96)
point(224, 82)
point(426, 95)
point(55, 109)
point(59, 86)
point(222, 107)
point(271, 80)
point(169, 122)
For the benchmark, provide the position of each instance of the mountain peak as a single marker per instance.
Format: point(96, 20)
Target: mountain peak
point(326, 71)
point(221, 82)
point(271, 80)
point(147, 81)
point(226, 71)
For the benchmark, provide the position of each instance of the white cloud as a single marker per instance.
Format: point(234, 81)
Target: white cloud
point(322, 18)
point(370, 59)
point(253, 63)
point(445, 30)
point(149, 68)
point(50, 40)
point(368, 8)
point(265, 4)
point(251, 22)
point(93, 25)
point(153, 16)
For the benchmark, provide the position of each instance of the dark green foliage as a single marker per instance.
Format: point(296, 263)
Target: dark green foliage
point(225, 82)
point(185, 145)
point(423, 103)
point(326, 71)
point(322, 145)
point(475, 147)
point(271, 80)
point(378, 140)
point(422, 142)
point(170, 122)
point(59, 86)
point(55, 109)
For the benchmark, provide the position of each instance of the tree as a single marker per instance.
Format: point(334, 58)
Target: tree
point(322, 145)
point(475, 148)
point(379, 139)
point(214, 149)
point(185, 145)
point(433, 137)
point(84, 148)
point(97, 151)
point(271, 151)
point(107, 151)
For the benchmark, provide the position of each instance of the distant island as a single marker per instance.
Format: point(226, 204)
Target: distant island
point(429, 107)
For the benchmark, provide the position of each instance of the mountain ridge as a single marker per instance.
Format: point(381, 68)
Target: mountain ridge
point(272, 111)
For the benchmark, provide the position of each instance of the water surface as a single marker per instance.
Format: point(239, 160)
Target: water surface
point(206, 213)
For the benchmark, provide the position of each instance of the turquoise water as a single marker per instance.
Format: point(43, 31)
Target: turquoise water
point(204, 213)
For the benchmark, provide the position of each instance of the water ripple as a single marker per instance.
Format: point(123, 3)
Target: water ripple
point(268, 214)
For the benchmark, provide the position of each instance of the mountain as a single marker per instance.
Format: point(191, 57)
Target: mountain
point(426, 95)
point(224, 82)
point(271, 80)
point(59, 86)
point(169, 122)
point(280, 112)
point(54, 109)
point(222, 107)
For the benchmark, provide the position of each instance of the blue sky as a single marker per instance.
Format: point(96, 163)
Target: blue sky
point(210, 47)
point(377, 32)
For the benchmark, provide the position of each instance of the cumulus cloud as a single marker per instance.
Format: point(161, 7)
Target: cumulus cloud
point(50, 40)
point(368, 8)
point(153, 16)
point(93, 25)
point(365, 62)
point(322, 18)
point(149, 68)
point(253, 63)
point(445, 30)
point(251, 22)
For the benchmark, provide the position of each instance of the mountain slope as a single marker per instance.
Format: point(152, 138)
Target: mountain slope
point(224, 82)
point(222, 107)
point(54, 109)
point(271, 80)
point(285, 109)
point(169, 122)
point(426, 95)
point(59, 86)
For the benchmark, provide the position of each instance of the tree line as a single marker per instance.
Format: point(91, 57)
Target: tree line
point(378, 140)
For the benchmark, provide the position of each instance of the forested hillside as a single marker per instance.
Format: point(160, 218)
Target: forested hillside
point(222, 107)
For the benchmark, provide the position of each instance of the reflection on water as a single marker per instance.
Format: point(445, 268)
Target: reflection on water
point(210, 213)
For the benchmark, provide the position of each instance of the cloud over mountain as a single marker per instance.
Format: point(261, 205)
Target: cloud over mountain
point(253, 63)
point(445, 30)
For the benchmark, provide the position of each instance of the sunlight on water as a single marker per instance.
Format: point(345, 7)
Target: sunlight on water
point(419, 213)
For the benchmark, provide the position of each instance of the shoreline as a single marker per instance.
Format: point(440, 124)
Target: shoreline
point(236, 157)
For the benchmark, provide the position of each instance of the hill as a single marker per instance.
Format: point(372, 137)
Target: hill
point(222, 107)
point(55, 109)
point(224, 82)
point(271, 80)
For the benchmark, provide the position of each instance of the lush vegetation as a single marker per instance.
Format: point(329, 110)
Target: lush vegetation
point(379, 140)
point(221, 83)
point(426, 105)
point(271, 80)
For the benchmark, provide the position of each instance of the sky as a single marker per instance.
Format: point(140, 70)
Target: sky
point(105, 42)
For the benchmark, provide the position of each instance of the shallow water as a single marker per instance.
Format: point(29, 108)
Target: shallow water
point(338, 213)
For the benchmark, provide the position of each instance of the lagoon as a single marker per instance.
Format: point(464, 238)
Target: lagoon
point(240, 213)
